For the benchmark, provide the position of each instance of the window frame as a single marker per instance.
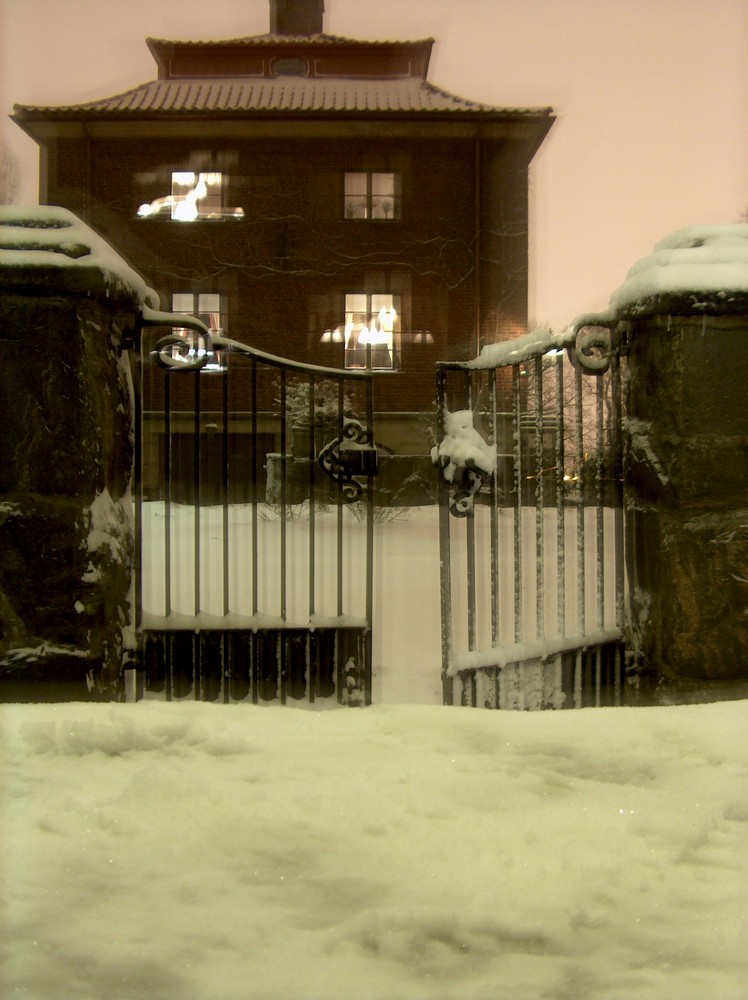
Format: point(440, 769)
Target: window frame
point(175, 206)
point(371, 352)
point(369, 195)
point(214, 319)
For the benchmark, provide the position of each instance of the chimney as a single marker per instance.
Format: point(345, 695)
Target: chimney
point(296, 17)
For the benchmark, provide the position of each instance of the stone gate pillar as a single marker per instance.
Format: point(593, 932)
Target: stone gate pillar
point(66, 525)
point(686, 464)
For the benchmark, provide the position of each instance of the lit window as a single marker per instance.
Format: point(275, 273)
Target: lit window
point(206, 306)
point(372, 330)
point(372, 195)
point(193, 196)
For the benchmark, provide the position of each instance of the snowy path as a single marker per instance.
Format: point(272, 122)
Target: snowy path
point(198, 852)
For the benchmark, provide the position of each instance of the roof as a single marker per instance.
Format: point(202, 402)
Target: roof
point(242, 96)
point(285, 40)
point(317, 55)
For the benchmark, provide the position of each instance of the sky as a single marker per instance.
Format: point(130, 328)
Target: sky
point(651, 98)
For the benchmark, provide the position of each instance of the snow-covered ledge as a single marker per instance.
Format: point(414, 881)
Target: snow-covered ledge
point(66, 525)
point(697, 270)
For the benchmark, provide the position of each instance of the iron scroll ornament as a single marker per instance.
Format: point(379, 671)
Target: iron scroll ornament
point(349, 455)
point(467, 481)
point(593, 348)
point(164, 357)
point(164, 351)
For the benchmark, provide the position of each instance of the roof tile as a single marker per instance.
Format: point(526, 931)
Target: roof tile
point(282, 94)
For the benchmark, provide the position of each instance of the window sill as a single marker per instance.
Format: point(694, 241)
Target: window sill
point(213, 219)
point(377, 371)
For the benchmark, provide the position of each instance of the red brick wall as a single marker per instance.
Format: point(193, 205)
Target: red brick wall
point(286, 267)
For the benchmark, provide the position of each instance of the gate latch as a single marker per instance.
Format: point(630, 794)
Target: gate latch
point(358, 459)
point(351, 454)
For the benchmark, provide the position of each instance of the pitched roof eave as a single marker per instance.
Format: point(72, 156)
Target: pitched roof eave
point(282, 41)
point(525, 131)
point(226, 97)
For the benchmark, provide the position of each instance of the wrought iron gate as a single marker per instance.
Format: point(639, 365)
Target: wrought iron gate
point(254, 521)
point(531, 522)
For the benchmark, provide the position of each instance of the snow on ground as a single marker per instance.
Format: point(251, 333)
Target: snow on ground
point(198, 852)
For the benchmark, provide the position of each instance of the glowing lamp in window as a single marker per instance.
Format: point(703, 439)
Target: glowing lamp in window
point(372, 327)
point(193, 196)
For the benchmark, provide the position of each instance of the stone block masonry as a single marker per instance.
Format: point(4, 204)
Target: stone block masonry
point(66, 526)
point(687, 479)
point(686, 463)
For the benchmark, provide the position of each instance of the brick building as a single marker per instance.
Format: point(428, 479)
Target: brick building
point(313, 196)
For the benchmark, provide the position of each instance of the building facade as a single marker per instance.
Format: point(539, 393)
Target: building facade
point(313, 196)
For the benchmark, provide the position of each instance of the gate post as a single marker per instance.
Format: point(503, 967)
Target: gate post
point(66, 524)
point(686, 465)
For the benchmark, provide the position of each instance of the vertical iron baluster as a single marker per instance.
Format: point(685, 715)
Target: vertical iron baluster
point(225, 484)
point(339, 509)
point(309, 656)
point(283, 495)
point(312, 500)
point(197, 660)
point(618, 667)
point(517, 464)
point(560, 504)
point(226, 666)
point(282, 660)
point(470, 538)
point(616, 447)
point(254, 681)
point(600, 513)
point(539, 503)
point(254, 487)
point(493, 434)
point(196, 431)
point(445, 571)
point(617, 473)
point(368, 638)
point(136, 369)
point(579, 447)
point(169, 665)
point(168, 492)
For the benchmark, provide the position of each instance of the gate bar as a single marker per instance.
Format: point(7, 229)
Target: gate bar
point(518, 485)
point(539, 508)
point(560, 505)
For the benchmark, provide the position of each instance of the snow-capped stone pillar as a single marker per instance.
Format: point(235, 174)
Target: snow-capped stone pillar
point(66, 525)
point(686, 463)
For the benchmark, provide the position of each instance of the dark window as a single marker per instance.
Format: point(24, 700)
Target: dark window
point(370, 194)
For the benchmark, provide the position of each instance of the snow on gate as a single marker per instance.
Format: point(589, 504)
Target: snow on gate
point(531, 522)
